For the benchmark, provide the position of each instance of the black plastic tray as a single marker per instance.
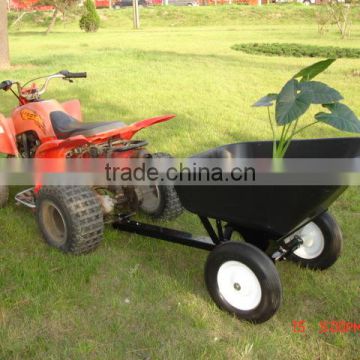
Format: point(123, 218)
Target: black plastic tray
point(276, 210)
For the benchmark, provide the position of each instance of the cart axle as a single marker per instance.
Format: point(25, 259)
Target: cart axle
point(287, 248)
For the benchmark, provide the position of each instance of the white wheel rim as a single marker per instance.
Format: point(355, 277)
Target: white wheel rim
point(238, 285)
point(313, 242)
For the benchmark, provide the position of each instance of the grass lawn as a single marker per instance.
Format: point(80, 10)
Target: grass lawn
point(136, 298)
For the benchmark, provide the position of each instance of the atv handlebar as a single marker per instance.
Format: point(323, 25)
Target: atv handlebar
point(69, 75)
point(6, 85)
point(34, 93)
point(64, 74)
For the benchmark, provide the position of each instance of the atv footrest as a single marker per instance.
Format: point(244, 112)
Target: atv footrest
point(26, 197)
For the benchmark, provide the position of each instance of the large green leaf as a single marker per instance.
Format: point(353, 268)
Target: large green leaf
point(320, 92)
point(291, 103)
point(311, 71)
point(266, 100)
point(341, 117)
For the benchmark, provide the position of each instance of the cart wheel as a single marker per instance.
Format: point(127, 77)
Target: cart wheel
point(4, 195)
point(161, 201)
point(322, 243)
point(258, 239)
point(243, 280)
point(70, 218)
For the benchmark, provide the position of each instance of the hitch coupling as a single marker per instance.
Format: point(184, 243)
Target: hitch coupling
point(286, 248)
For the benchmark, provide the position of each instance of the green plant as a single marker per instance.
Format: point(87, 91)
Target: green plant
point(295, 98)
point(90, 21)
point(297, 50)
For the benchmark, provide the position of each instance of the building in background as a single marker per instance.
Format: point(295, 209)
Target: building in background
point(228, 2)
point(21, 5)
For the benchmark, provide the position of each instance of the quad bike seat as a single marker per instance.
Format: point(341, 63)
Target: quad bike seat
point(65, 126)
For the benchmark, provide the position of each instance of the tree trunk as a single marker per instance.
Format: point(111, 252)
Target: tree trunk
point(4, 42)
point(136, 15)
point(19, 18)
point(52, 23)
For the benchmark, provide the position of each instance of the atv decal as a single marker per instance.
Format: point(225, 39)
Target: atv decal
point(27, 114)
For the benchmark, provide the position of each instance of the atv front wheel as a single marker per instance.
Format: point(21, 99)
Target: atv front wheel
point(4, 195)
point(70, 218)
point(161, 201)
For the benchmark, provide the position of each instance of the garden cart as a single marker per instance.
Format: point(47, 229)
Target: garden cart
point(241, 278)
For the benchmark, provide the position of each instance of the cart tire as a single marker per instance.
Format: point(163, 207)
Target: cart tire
point(70, 218)
point(4, 195)
point(167, 205)
point(322, 243)
point(242, 280)
point(258, 239)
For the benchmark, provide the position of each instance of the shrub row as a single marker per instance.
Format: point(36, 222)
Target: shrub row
point(297, 50)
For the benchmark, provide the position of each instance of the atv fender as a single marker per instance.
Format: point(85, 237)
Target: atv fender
point(56, 150)
point(73, 108)
point(129, 131)
point(59, 148)
point(7, 137)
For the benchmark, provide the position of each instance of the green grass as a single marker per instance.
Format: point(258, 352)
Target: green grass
point(175, 16)
point(298, 50)
point(55, 306)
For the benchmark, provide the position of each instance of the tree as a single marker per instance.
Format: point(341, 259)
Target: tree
point(340, 14)
point(27, 7)
point(4, 42)
point(90, 21)
point(60, 6)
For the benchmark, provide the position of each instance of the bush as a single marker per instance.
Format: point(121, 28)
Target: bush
point(297, 50)
point(90, 21)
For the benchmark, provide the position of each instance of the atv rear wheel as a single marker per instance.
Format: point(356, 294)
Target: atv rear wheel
point(4, 195)
point(161, 201)
point(70, 218)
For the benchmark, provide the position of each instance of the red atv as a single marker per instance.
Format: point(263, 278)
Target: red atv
point(71, 217)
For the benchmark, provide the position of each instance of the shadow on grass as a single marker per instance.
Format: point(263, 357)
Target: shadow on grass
point(92, 54)
point(262, 62)
point(42, 32)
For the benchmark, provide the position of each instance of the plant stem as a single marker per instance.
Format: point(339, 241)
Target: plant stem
point(282, 141)
point(294, 132)
point(273, 131)
point(305, 127)
point(287, 130)
point(288, 140)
